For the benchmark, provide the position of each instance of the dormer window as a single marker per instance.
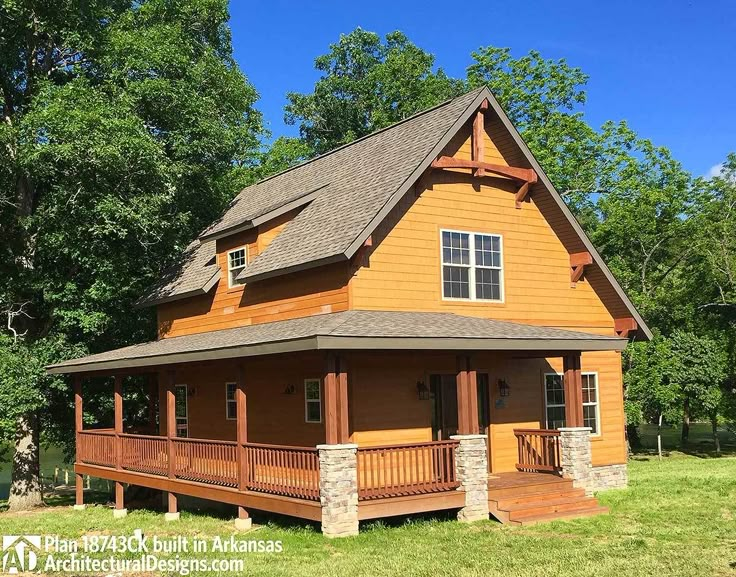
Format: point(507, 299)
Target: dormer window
point(471, 266)
point(236, 261)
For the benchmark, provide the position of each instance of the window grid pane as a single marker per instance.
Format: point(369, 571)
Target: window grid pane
point(471, 266)
point(590, 402)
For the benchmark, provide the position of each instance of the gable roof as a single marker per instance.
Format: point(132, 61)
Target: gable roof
point(346, 193)
point(354, 330)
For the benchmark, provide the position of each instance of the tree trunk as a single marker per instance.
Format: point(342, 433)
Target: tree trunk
point(632, 437)
point(685, 422)
point(25, 487)
point(716, 440)
point(659, 437)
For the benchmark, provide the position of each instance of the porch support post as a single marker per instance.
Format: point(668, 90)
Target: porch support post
point(467, 397)
point(338, 489)
point(243, 522)
point(336, 401)
point(573, 384)
point(120, 511)
point(78, 427)
point(172, 514)
point(152, 383)
point(471, 467)
point(118, 403)
point(575, 456)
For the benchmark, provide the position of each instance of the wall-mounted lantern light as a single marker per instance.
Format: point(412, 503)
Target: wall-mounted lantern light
point(422, 391)
point(290, 389)
point(504, 390)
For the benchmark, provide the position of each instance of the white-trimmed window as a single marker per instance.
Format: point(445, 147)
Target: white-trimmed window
point(472, 266)
point(231, 403)
point(312, 401)
point(554, 401)
point(236, 261)
point(591, 412)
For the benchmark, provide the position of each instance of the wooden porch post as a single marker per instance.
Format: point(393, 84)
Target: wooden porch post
point(78, 427)
point(573, 384)
point(172, 513)
point(336, 401)
point(118, 402)
point(241, 427)
point(467, 397)
point(152, 383)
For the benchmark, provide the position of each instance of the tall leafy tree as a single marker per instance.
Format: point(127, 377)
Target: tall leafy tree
point(367, 83)
point(125, 127)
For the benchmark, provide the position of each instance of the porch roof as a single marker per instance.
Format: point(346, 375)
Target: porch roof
point(349, 330)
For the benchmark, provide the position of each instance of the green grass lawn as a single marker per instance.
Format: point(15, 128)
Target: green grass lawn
point(677, 518)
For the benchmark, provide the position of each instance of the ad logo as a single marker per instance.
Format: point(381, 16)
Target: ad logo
point(19, 553)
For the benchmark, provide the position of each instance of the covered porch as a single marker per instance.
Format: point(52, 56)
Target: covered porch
point(382, 442)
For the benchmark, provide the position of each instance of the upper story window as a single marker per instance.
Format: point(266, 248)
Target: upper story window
point(236, 261)
point(472, 266)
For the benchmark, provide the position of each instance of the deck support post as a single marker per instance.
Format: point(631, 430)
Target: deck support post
point(120, 511)
point(471, 468)
point(78, 427)
point(173, 512)
point(241, 414)
point(243, 522)
point(152, 383)
point(573, 384)
point(338, 489)
point(336, 401)
point(467, 397)
point(575, 456)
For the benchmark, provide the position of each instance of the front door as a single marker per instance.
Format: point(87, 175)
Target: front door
point(443, 389)
point(181, 411)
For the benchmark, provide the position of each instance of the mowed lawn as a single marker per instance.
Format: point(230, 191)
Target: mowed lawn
point(677, 518)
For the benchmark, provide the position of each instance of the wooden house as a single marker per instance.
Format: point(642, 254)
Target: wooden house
point(412, 322)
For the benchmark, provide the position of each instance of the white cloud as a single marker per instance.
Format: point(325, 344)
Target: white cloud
point(716, 170)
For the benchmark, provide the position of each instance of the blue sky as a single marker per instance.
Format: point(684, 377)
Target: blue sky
point(666, 67)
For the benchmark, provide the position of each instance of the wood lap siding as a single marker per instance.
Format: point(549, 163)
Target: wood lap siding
point(310, 292)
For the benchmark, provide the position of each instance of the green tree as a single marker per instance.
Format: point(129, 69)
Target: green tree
point(367, 83)
point(125, 128)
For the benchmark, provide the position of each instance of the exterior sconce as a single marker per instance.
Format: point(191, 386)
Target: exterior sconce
point(504, 390)
point(290, 389)
point(191, 392)
point(422, 391)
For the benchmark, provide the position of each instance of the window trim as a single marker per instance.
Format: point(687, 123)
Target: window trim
point(308, 401)
point(244, 248)
point(472, 268)
point(597, 396)
point(228, 401)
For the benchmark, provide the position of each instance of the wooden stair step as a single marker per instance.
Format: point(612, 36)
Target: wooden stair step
point(562, 515)
point(555, 484)
point(532, 497)
point(523, 510)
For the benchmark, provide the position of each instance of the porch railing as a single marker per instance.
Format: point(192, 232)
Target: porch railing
point(276, 469)
point(397, 470)
point(539, 450)
point(288, 471)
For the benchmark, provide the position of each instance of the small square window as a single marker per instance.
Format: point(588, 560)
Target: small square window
point(236, 261)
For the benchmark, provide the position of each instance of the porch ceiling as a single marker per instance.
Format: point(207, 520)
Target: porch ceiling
point(349, 330)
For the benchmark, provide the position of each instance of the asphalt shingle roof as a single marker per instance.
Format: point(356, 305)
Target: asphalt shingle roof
point(353, 324)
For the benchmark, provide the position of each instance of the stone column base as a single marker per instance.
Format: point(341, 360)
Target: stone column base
point(338, 489)
point(575, 454)
point(609, 477)
point(471, 466)
point(119, 513)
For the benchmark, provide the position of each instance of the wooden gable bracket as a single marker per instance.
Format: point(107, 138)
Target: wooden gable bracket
point(480, 167)
point(578, 262)
point(361, 257)
point(624, 327)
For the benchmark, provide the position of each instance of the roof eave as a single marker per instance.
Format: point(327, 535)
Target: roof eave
point(207, 287)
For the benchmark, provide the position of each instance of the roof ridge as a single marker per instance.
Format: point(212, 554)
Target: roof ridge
point(347, 144)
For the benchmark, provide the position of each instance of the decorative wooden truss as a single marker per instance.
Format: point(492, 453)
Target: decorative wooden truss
point(578, 262)
point(625, 326)
point(481, 168)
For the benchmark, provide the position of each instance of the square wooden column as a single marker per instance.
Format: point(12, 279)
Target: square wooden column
point(172, 501)
point(78, 428)
point(467, 397)
point(241, 426)
point(118, 404)
point(335, 384)
point(573, 384)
